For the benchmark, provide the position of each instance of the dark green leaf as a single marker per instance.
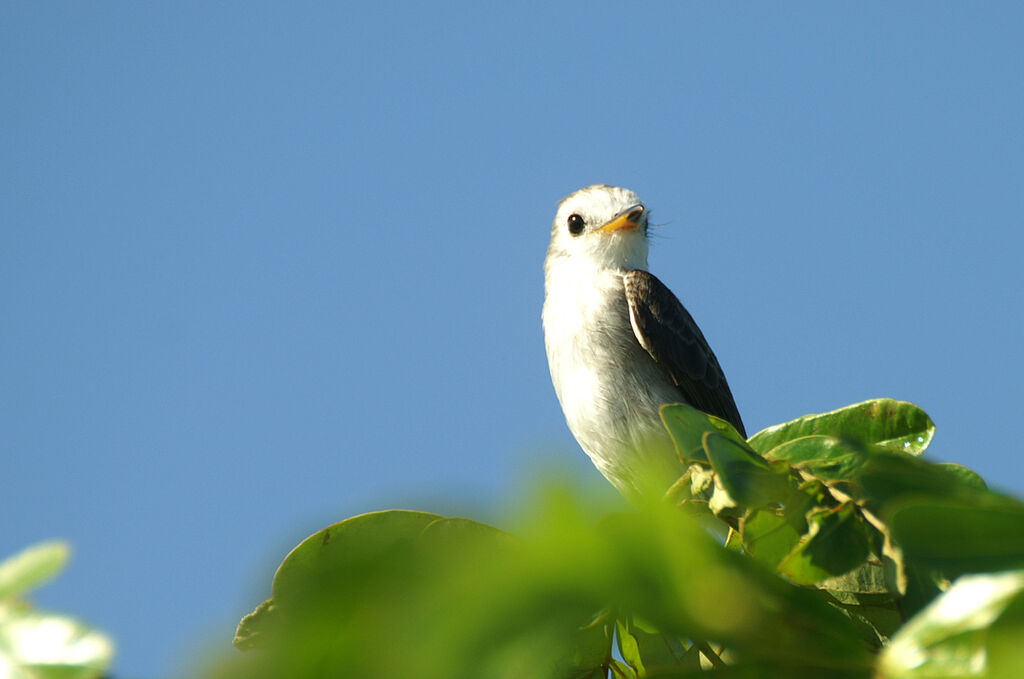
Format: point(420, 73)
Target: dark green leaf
point(747, 477)
point(891, 478)
point(896, 425)
point(835, 543)
point(878, 621)
point(956, 537)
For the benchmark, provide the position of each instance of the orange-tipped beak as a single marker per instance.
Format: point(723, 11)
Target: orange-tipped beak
point(627, 219)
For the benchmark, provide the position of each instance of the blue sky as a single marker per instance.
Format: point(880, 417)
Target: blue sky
point(268, 266)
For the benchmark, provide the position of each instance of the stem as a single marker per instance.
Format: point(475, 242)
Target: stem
point(709, 653)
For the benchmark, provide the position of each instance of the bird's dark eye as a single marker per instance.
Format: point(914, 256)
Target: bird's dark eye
point(575, 225)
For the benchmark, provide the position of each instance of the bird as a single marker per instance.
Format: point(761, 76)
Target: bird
point(620, 344)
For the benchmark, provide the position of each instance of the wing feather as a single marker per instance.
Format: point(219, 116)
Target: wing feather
point(665, 329)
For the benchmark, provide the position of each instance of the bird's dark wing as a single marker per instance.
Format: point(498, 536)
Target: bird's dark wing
point(666, 330)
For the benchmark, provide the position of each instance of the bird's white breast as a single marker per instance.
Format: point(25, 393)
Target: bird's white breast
point(609, 386)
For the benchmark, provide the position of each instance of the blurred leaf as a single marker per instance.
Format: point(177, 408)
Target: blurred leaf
point(968, 477)
point(1005, 652)
point(32, 567)
point(887, 479)
point(956, 537)
point(835, 543)
point(347, 547)
point(747, 477)
point(460, 600)
point(949, 637)
point(896, 425)
point(36, 645)
point(659, 556)
point(687, 426)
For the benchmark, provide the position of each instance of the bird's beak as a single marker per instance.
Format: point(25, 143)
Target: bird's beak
point(627, 219)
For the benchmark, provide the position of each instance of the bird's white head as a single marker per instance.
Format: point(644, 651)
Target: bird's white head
point(600, 226)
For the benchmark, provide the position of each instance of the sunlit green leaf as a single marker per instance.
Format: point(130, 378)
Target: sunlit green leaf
point(835, 544)
point(896, 425)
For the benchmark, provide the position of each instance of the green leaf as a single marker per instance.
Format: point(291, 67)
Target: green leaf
point(878, 616)
point(826, 457)
point(967, 477)
point(889, 479)
point(949, 638)
point(621, 670)
point(1005, 653)
point(650, 652)
point(896, 425)
point(835, 543)
point(32, 567)
point(629, 649)
point(687, 426)
point(747, 477)
point(347, 548)
point(770, 534)
point(867, 579)
point(255, 629)
point(400, 595)
point(957, 537)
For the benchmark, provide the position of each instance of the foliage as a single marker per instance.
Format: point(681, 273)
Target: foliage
point(39, 645)
point(841, 558)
